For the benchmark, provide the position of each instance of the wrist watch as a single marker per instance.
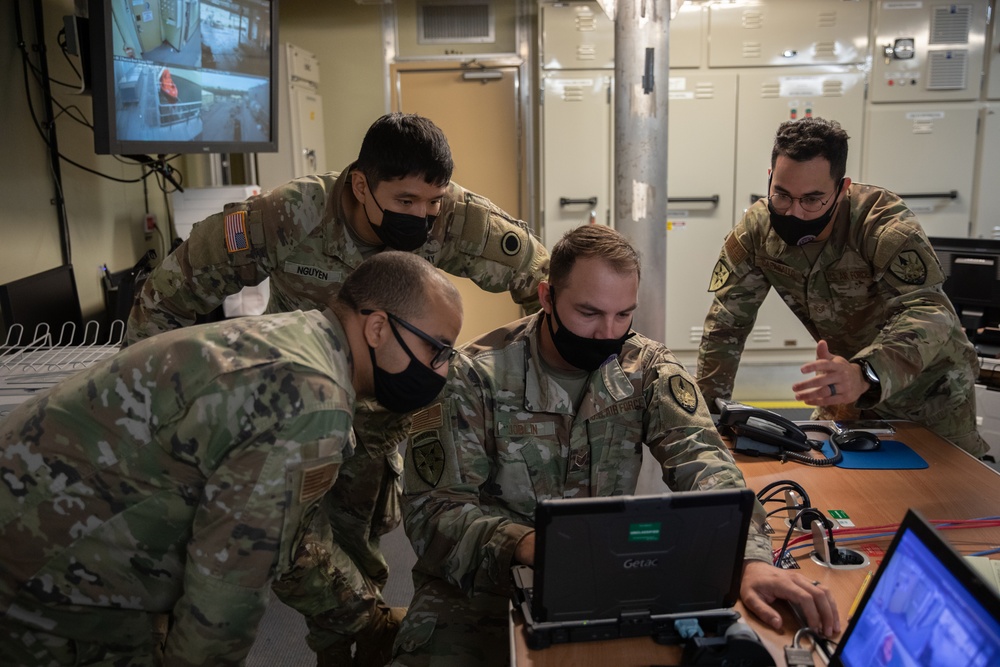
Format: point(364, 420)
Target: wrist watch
point(869, 374)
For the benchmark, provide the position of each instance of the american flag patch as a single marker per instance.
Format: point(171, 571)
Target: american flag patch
point(236, 232)
point(426, 419)
point(317, 481)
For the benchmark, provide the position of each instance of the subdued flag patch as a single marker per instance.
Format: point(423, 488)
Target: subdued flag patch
point(317, 481)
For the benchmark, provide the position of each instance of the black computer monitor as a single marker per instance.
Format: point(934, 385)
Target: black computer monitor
point(49, 297)
point(972, 282)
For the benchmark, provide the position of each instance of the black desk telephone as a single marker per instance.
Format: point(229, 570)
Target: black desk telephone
point(760, 432)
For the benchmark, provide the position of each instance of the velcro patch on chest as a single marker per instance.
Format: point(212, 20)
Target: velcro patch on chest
point(317, 481)
point(314, 272)
point(514, 429)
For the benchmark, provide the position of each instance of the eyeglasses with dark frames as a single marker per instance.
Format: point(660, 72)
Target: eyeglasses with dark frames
point(811, 203)
point(442, 353)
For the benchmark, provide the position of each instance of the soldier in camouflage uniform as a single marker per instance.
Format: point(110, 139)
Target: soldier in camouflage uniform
point(855, 267)
point(557, 405)
point(147, 502)
point(307, 236)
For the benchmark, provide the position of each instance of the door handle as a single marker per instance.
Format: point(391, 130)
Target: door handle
point(711, 199)
point(566, 201)
point(951, 194)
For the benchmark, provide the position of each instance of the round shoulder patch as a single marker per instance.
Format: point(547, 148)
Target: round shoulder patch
point(909, 267)
point(684, 393)
point(510, 243)
point(720, 274)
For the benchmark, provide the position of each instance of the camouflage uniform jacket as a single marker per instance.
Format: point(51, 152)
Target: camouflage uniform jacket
point(173, 476)
point(297, 234)
point(873, 293)
point(505, 435)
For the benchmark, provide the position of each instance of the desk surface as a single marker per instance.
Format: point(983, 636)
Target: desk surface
point(954, 486)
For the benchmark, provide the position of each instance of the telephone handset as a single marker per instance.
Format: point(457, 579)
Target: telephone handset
point(770, 434)
point(761, 425)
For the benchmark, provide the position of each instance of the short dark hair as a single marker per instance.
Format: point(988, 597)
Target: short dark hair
point(398, 145)
point(808, 138)
point(395, 281)
point(592, 241)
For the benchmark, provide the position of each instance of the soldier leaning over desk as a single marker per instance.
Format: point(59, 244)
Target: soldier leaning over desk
point(147, 502)
point(854, 265)
point(560, 404)
point(307, 236)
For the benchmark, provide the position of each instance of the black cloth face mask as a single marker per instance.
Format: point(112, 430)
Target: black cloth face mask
point(400, 231)
point(410, 389)
point(587, 354)
point(795, 231)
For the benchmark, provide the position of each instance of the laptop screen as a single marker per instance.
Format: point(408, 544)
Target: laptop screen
point(925, 607)
point(599, 558)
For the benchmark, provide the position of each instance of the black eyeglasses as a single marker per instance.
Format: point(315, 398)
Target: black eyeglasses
point(442, 353)
point(811, 203)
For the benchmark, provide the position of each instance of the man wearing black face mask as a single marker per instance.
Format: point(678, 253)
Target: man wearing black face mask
point(307, 236)
point(855, 267)
point(560, 404)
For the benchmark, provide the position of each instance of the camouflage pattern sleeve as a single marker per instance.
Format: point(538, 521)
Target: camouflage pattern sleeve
point(496, 251)
point(682, 437)
point(226, 252)
point(739, 289)
point(456, 536)
point(246, 529)
point(919, 311)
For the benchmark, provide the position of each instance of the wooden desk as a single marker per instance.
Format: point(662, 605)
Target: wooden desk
point(954, 486)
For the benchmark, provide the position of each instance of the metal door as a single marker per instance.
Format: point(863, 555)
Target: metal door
point(926, 154)
point(576, 150)
point(477, 110)
point(700, 173)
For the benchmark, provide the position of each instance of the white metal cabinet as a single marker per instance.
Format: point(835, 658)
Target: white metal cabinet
point(577, 160)
point(700, 168)
point(927, 50)
point(925, 153)
point(788, 32)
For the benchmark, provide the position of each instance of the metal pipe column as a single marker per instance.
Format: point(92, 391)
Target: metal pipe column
point(641, 85)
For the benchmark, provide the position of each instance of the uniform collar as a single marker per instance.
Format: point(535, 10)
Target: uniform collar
point(339, 241)
point(606, 386)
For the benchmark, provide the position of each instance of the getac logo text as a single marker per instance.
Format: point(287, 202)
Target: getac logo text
point(635, 563)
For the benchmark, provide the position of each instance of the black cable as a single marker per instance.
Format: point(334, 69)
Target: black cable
point(781, 485)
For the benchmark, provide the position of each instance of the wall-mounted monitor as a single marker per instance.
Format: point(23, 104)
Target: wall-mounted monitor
point(184, 76)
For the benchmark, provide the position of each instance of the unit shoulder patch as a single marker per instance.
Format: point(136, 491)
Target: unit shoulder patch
point(909, 267)
point(684, 393)
point(428, 457)
point(720, 276)
point(510, 244)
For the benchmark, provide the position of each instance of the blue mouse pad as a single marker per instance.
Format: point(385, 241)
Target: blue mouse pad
point(892, 455)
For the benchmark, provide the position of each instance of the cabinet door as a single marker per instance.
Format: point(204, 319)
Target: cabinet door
point(788, 32)
point(926, 154)
point(576, 35)
point(700, 172)
point(576, 150)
